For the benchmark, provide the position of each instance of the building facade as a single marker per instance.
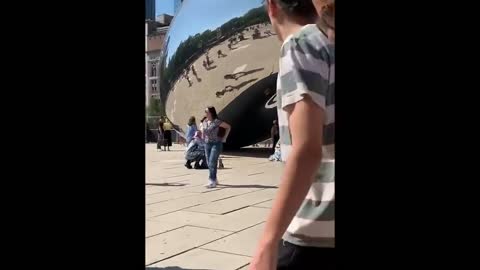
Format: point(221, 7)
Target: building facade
point(150, 10)
point(164, 19)
point(154, 41)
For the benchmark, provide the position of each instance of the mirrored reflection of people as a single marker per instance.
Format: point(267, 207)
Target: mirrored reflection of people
point(275, 135)
point(194, 72)
point(208, 60)
point(191, 129)
point(299, 232)
point(185, 75)
point(167, 126)
point(160, 134)
point(214, 143)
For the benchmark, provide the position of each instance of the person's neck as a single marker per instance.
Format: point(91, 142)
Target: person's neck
point(288, 28)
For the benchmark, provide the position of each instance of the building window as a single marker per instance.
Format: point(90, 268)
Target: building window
point(154, 86)
point(153, 70)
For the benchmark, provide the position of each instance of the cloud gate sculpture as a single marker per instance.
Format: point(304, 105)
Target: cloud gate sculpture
point(222, 53)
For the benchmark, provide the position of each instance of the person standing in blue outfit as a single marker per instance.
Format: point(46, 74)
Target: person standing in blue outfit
point(191, 129)
point(214, 143)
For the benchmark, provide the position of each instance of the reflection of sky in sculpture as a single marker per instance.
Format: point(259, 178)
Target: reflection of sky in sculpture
point(198, 16)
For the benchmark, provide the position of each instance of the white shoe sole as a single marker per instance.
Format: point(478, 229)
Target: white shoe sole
point(211, 185)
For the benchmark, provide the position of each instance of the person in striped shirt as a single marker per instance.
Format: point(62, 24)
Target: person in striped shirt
point(299, 232)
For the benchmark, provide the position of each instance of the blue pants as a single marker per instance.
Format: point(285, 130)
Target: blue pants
point(212, 152)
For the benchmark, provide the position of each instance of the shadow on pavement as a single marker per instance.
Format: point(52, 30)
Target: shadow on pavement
point(170, 268)
point(249, 152)
point(165, 184)
point(245, 186)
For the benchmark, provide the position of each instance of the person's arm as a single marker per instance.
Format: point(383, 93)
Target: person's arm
point(302, 91)
point(300, 168)
point(225, 125)
point(227, 128)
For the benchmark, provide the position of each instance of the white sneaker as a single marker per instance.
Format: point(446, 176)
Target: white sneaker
point(211, 184)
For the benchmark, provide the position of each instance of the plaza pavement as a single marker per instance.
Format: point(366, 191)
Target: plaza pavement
point(189, 227)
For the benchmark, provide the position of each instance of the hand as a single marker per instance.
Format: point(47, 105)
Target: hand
point(265, 258)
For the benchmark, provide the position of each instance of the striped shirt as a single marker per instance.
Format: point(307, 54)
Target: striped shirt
point(307, 67)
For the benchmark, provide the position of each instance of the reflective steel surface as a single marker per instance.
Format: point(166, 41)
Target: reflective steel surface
point(222, 53)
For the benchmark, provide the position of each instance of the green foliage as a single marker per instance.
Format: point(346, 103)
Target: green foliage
point(155, 108)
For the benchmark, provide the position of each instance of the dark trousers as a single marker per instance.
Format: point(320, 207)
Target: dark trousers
point(274, 142)
point(293, 257)
point(200, 162)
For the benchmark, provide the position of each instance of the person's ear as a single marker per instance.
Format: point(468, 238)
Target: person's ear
point(272, 8)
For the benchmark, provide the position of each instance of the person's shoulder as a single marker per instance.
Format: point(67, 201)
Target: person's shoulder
point(310, 40)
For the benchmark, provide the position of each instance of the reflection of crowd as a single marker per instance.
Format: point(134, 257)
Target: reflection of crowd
point(220, 54)
point(207, 62)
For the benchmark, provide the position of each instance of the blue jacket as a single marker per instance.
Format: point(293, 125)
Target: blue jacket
point(190, 132)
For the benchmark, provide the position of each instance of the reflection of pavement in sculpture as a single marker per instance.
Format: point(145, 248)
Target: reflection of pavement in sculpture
point(241, 47)
point(260, 55)
point(240, 68)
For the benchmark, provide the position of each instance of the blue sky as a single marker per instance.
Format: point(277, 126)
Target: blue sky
point(163, 6)
point(199, 16)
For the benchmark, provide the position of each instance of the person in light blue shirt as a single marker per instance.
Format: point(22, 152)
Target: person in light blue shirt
point(196, 152)
point(191, 129)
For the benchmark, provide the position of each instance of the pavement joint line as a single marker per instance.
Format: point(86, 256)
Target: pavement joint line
point(185, 251)
point(200, 246)
point(192, 193)
point(175, 211)
point(257, 173)
point(201, 227)
point(242, 266)
point(218, 251)
point(164, 231)
point(186, 195)
point(260, 189)
point(263, 207)
point(177, 176)
point(232, 234)
point(177, 189)
point(239, 208)
point(186, 209)
point(235, 210)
